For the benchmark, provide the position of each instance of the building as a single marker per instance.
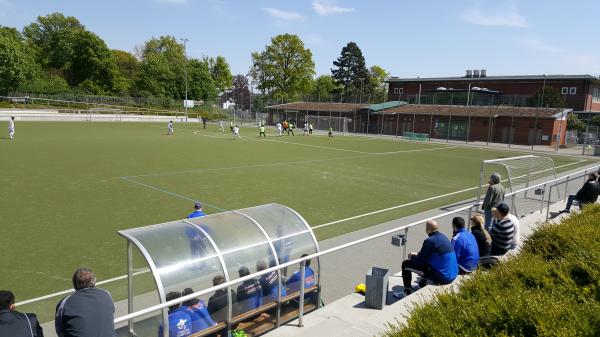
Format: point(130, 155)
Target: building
point(498, 124)
point(579, 92)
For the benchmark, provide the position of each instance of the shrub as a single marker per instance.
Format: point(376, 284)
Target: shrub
point(552, 288)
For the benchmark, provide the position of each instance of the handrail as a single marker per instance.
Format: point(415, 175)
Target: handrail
point(302, 260)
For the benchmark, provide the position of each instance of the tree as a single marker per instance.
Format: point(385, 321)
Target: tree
point(574, 123)
point(351, 72)
point(241, 91)
point(285, 68)
point(128, 68)
point(51, 38)
point(547, 97)
point(11, 32)
point(378, 77)
point(49, 84)
point(201, 84)
point(16, 64)
point(324, 86)
point(92, 61)
point(162, 68)
point(221, 75)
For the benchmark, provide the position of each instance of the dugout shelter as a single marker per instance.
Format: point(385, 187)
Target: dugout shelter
point(190, 253)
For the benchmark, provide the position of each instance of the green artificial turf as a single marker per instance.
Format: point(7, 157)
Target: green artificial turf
point(68, 187)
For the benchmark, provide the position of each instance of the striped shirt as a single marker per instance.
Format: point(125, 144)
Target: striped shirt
point(502, 233)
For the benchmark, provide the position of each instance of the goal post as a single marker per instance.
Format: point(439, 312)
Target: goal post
point(516, 172)
point(338, 124)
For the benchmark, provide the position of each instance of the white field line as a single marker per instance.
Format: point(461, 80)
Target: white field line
point(313, 227)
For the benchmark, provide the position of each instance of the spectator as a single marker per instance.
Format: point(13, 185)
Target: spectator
point(217, 303)
point(88, 311)
point(14, 323)
point(465, 247)
point(198, 313)
point(269, 283)
point(180, 322)
point(587, 194)
point(493, 197)
point(197, 211)
point(516, 240)
point(249, 293)
point(503, 231)
point(293, 283)
point(436, 260)
point(482, 236)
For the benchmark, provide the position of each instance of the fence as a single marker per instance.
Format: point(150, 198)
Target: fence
point(538, 197)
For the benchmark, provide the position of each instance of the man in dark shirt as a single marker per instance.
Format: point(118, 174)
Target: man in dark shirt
point(88, 312)
point(249, 293)
point(217, 303)
point(587, 194)
point(14, 323)
point(436, 260)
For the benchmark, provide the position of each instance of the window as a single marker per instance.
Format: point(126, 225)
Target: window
point(564, 90)
point(395, 91)
point(401, 91)
point(596, 95)
point(572, 90)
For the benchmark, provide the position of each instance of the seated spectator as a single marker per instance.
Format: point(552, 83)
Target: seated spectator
point(587, 194)
point(217, 303)
point(516, 240)
point(503, 231)
point(465, 247)
point(197, 211)
point(482, 236)
point(436, 260)
point(198, 313)
point(293, 283)
point(180, 322)
point(249, 293)
point(269, 282)
point(89, 311)
point(14, 323)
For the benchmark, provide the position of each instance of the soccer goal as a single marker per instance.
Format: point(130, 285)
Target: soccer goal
point(338, 124)
point(423, 137)
point(517, 173)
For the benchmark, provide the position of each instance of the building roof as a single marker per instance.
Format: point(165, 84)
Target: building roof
point(477, 111)
point(319, 106)
point(385, 105)
point(494, 78)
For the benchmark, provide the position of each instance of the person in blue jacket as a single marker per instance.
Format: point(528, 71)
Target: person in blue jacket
point(180, 323)
point(436, 261)
point(249, 293)
point(198, 313)
point(269, 282)
point(465, 247)
point(293, 283)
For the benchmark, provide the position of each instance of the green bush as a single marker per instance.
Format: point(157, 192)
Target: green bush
point(552, 288)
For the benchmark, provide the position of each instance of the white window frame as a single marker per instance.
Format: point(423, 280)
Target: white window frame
point(401, 91)
point(596, 95)
point(564, 90)
point(572, 90)
point(395, 91)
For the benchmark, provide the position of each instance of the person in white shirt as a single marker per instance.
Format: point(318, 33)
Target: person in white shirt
point(170, 128)
point(221, 126)
point(305, 130)
point(236, 133)
point(279, 129)
point(516, 240)
point(11, 128)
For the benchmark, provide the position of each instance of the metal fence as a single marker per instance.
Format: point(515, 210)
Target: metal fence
point(538, 197)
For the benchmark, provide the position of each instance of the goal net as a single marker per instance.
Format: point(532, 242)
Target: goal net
point(518, 173)
point(338, 124)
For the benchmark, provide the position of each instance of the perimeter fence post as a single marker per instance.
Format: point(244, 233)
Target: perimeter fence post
point(301, 304)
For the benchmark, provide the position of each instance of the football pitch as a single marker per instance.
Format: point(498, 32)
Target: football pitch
point(68, 187)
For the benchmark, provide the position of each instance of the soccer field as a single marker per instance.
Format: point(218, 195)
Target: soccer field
point(67, 187)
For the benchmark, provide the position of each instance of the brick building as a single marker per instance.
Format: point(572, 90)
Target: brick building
point(579, 92)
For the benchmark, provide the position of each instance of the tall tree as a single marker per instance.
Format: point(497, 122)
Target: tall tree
point(220, 72)
point(323, 88)
point(241, 91)
point(16, 64)
point(52, 37)
point(201, 84)
point(378, 77)
point(351, 72)
point(128, 68)
point(162, 68)
point(285, 68)
point(92, 61)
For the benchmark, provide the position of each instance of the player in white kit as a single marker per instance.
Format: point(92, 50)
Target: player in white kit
point(11, 128)
point(236, 133)
point(221, 126)
point(279, 129)
point(170, 128)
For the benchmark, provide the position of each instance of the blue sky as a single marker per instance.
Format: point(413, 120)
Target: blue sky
point(408, 38)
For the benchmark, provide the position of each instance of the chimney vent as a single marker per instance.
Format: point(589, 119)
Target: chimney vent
point(483, 73)
point(476, 73)
point(469, 73)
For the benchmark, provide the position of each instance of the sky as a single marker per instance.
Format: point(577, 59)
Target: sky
point(424, 38)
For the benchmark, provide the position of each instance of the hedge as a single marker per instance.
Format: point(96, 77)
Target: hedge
point(551, 288)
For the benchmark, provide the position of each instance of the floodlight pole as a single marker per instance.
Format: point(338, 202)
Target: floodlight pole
point(185, 40)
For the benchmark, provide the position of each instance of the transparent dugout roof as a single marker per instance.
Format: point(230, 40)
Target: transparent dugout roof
point(189, 253)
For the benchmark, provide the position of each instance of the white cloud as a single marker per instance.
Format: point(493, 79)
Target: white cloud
point(503, 17)
point(283, 15)
point(330, 7)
